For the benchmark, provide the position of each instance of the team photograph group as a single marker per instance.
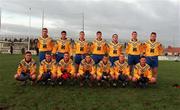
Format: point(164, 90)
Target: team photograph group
point(95, 63)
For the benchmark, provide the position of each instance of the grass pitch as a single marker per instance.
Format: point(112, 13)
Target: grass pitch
point(157, 97)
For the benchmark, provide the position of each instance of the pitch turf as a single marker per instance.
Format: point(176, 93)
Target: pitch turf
point(158, 97)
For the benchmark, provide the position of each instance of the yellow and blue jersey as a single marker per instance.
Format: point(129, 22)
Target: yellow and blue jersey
point(102, 67)
point(145, 71)
point(81, 47)
point(152, 48)
point(45, 44)
point(99, 47)
point(87, 66)
point(121, 68)
point(62, 46)
point(114, 49)
point(26, 67)
point(65, 66)
point(46, 67)
point(134, 47)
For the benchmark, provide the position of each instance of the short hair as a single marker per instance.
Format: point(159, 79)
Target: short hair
point(44, 29)
point(87, 55)
point(48, 53)
point(66, 53)
point(153, 33)
point(106, 55)
point(28, 52)
point(98, 32)
point(122, 54)
point(81, 32)
point(114, 35)
point(142, 57)
point(63, 32)
point(134, 32)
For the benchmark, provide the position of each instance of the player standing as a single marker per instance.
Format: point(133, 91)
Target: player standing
point(152, 50)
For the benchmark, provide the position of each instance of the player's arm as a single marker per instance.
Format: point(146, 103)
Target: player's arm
point(127, 70)
point(111, 71)
point(93, 70)
point(54, 69)
point(99, 71)
point(41, 71)
point(136, 73)
point(116, 71)
point(70, 48)
point(38, 44)
point(108, 48)
point(92, 47)
point(72, 71)
point(33, 69)
point(19, 69)
point(74, 47)
point(51, 44)
point(160, 48)
point(55, 47)
point(149, 73)
point(105, 47)
point(142, 48)
point(88, 48)
point(127, 48)
point(120, 49)
point(80, 71)
point(59, 72)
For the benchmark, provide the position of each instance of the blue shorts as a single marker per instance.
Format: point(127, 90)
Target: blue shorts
point(152, 61)
point(42, 55)
point(59, 56)
point(113, 59)
point(24, 76)
point(133, 59)
point(97, 58)
point(78, 58)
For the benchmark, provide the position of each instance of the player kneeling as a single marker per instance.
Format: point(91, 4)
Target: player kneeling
point(47, 70)
point(104, 71)
point(142, 73)
point(86, 72)
point(121, 72)
point(26, 69)
point(65, 70)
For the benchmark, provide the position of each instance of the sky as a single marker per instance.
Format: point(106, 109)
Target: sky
point(109, 16)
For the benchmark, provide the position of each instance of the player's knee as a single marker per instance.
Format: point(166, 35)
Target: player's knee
point(39, 77)
point(98, 78)
point(115, 77)
point(152, 81)
point(129, 78)
point(134, 79)
point(16, 76)
point(54, 76)
point(33, 77)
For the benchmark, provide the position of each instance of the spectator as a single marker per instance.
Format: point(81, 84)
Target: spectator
point(11, 49)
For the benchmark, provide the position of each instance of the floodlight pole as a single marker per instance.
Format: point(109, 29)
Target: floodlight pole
point(83, 21)
point(29, 31)
point(0, 19)
point(42, 19)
